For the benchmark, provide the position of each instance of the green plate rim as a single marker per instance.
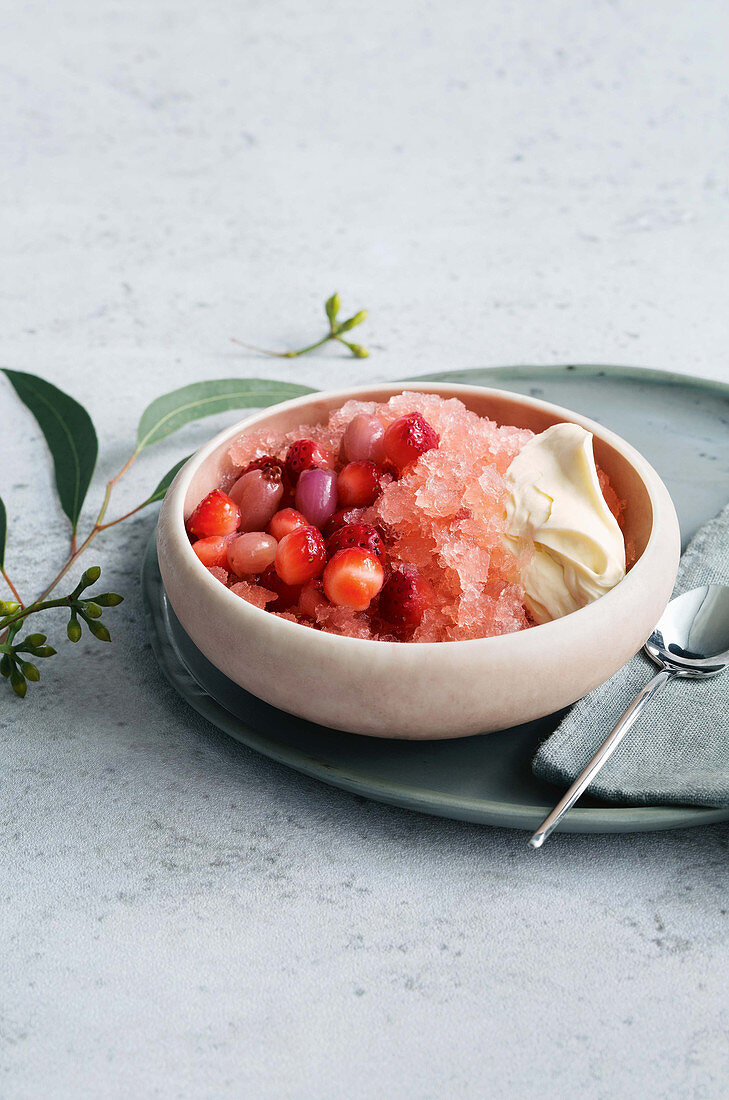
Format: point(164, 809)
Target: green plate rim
point(587, 370)
point(603, 819)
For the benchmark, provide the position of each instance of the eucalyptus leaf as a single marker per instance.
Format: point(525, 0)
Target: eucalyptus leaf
point(69, 433)
point(173, 410)
point(3, 532)
point(165, 483)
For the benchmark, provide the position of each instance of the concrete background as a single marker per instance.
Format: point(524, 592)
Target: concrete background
point(498, 183)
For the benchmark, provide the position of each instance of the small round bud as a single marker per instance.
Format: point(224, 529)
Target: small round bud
point(44, 651)
point(6, 665)
point(352, 321)
point(109, 599)
point(8, 607)
point(99, 631)
point(90, 576)
point(73, 630)
point(34, 640)
point(332, 307)
point(30, 671)
point(92, 609)
point(18, 683)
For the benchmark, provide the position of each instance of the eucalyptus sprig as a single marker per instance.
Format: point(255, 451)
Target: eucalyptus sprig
point(14, 665)
point(336, 328)
point(72, 442)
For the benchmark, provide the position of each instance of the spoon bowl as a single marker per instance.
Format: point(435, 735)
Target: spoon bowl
point(690, 640)
point(692, 635)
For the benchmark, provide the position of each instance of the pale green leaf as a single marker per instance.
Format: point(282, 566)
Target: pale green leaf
point(173, 410)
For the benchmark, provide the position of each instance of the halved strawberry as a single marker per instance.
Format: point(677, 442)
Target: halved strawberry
point(353, 578)
point(213, 550)
point(216, 514)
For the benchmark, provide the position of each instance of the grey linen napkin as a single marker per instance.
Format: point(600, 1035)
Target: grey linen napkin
point(678, 751)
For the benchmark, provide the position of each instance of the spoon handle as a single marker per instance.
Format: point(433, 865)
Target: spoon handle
point(603, 753)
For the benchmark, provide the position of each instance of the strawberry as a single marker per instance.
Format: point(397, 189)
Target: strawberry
point(265, 462)
point(408, 438)
point(358, 484)
point(305, 454)
point(301, 556)
point(356, 534)
point(342, 517)
point(213, 550)
point(216, 514)
point(353, 578)
point(404, 598)
point(286, 521)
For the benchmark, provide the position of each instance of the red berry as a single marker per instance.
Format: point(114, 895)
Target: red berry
point(286, 594)
point(286, 521)
point(213, 550)
point(217, 514)
point(301, 556)
point(408, 438)
point(356, 534)
point(305, 454)
point(404, 598)
point(353, 578)
point(358, 484)
point(265, 462)
point(341, 517)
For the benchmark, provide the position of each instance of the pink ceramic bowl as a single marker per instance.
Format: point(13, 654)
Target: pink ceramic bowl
point(425, 690)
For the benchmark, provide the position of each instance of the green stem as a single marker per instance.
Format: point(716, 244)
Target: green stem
point(12, 587)
point(284, 354)
point(39, 605)
point(98, 526)
point(120, 519)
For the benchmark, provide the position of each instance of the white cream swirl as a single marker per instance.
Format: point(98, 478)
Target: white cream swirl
point(556, 503)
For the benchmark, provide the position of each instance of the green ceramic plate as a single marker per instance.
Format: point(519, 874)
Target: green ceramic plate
point(682, 426)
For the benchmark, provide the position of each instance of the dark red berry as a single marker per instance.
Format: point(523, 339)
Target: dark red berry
point(356, 534)
point(287, 594)
point(265, 462)
point(341, 517)
point(404, 598)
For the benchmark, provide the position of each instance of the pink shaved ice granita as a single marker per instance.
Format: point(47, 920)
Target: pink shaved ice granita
point(393, 521)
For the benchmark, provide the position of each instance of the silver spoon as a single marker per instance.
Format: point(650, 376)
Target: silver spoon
point(691, 640)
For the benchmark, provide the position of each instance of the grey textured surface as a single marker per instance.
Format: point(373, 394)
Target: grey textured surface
point(679, 751)
point(501, 183)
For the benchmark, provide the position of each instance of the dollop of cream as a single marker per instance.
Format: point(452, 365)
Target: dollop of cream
point(556, 503)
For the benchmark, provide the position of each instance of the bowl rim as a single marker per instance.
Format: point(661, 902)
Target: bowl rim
point(175, 499)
